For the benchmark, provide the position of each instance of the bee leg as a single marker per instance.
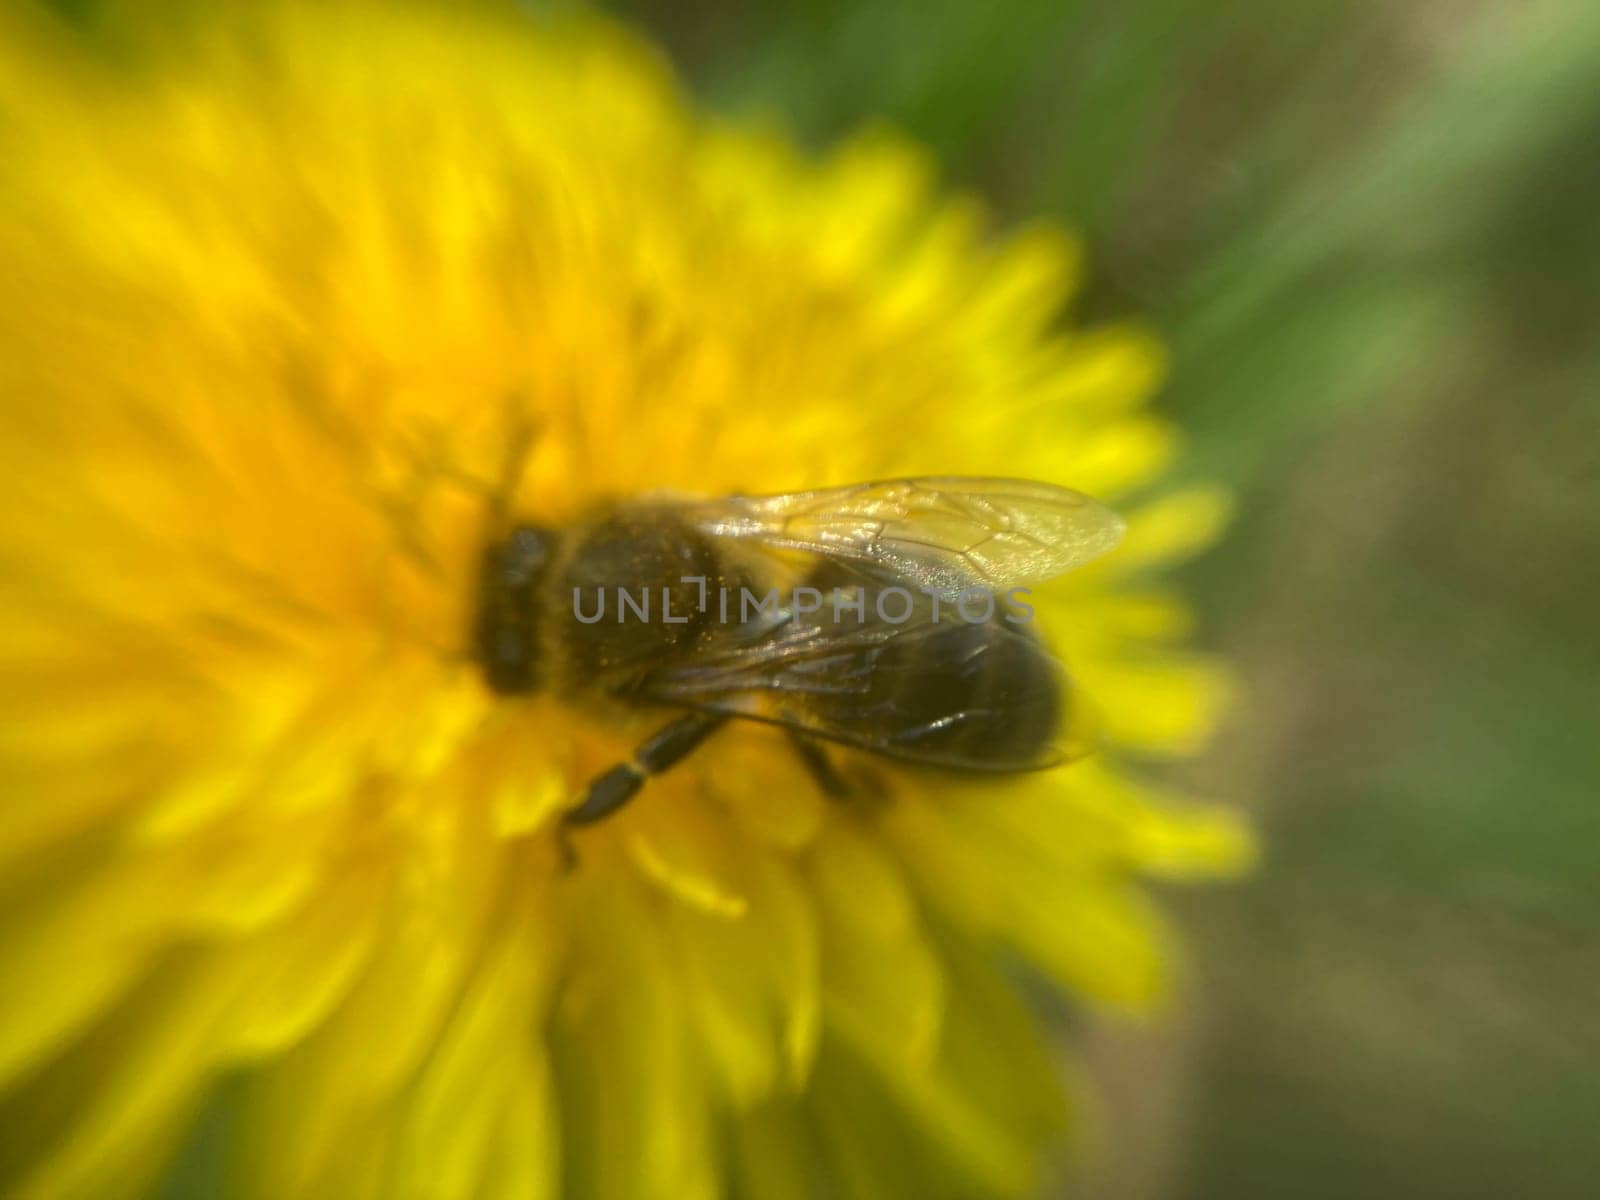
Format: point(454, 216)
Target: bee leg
point(524, 433)
point(827, 778)
point(622, 782)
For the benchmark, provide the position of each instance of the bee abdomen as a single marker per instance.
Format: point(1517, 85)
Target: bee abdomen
point(983, 695)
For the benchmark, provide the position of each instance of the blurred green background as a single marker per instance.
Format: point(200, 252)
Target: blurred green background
point(1368, 230)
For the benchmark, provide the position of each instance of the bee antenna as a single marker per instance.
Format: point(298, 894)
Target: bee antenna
point(525, 429)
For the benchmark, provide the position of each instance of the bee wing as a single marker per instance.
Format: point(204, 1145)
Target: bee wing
point(957, 696)
point(940, 533)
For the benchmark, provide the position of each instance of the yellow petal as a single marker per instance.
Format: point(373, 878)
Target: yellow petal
point(753, 983)
point(139, 1078)
point(68, 957)
point(685, 850)
point(634, 1117)
point(881, 981)
point(1168, 705)
point(1171, 529)
point(484, 1062)
point(301, 969)
point(1114, 458)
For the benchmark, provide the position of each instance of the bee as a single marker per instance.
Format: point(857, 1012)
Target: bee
point(884, 643)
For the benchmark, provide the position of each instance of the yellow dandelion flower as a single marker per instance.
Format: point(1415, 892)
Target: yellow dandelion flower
point(281, 905)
